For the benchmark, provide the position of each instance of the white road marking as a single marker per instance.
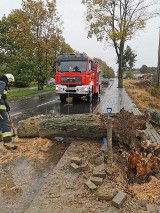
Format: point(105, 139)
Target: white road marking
point(46, 103)
point(17, 113)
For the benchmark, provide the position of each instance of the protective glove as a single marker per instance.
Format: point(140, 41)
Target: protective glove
point(8, 108)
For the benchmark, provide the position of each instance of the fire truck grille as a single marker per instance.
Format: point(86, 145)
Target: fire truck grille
point(71, 79)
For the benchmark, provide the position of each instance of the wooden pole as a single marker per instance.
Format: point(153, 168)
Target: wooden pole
point(109, 140)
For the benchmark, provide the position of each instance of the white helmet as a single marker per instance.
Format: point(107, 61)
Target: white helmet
point(10, 78)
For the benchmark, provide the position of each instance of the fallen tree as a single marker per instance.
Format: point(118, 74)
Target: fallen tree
point(126, 126)
point(77, 125)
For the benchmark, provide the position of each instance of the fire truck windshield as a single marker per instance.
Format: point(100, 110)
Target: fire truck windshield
point(72, 66)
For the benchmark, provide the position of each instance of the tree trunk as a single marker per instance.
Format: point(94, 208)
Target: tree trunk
point(89, 126)
point(78, 125)
point(120, 65)
point(158, 67)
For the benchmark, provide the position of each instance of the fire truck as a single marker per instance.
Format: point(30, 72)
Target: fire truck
point(77, 75)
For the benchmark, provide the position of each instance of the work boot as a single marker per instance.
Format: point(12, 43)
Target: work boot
point(10, 145)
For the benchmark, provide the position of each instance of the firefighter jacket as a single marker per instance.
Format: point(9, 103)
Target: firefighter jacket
point(5, 126)
point(3, 96)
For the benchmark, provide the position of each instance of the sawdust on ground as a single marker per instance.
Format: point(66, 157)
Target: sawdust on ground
point(28, 147)
point(147, 191)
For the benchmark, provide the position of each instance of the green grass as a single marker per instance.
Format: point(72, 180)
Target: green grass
point(26, 92)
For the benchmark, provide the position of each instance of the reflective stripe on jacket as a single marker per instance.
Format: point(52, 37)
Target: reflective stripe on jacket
point(6, 134)
point(2, 107)
point(3, 95)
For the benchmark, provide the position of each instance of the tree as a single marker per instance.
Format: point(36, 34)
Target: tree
point(158, 67)
point(37, 28)
point(117, 21)
point(30, 40)
point(144, 69)
point(129, 59)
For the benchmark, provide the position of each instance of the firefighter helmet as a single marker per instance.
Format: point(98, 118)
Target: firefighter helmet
point(10, 78)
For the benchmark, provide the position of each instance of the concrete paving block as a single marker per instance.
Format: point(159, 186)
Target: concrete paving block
point(90, 185)
point(97, 180)
point(76, 160)
point(107, 195)
point(75, 167)
point(84, 167)
point(99, 168)
point(119, 199)
point(142, 203)
point(100, 174)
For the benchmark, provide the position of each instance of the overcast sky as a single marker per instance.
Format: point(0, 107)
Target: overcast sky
point(72, 14)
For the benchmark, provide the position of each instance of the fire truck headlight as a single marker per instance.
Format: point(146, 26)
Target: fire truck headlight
point(56, 88)
point(86, 89)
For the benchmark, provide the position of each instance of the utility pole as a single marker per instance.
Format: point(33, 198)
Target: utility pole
point(158, 67)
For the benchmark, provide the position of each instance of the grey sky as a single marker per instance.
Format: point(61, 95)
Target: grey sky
point(72, 13)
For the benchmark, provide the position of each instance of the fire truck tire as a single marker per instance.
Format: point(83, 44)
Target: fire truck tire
point(62, 98)
point(90, 97)
point(98, 93)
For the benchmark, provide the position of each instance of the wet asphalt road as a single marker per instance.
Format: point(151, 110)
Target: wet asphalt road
point(21, 179)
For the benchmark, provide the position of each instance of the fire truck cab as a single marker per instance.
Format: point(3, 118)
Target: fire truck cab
point(77, 75)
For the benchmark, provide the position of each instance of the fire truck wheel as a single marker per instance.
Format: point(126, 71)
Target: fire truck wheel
point(98, 93)
point(62, 98)
point(90, 97)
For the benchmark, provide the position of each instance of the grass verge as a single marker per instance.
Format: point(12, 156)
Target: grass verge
point(28, 91)
point(139, 91)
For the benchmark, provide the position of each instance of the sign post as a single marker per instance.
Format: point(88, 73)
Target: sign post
point(109, 136)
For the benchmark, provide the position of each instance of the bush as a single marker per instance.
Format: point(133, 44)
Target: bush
point(154, 88)
point(21, 81)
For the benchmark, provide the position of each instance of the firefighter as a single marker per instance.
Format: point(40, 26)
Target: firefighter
point(5, 126)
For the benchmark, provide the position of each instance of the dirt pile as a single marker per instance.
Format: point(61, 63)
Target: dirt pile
point(127, 127)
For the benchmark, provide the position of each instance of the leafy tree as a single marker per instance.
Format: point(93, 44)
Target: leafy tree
point(8, 48)
point(117, 21)
point(37, 28)
point(144, 69)
point(129, 59)
point(30, 40)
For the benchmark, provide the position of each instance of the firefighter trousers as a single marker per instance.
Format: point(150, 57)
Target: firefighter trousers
point(5, 127)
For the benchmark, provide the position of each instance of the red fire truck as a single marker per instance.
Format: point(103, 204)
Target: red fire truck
point(77, 75)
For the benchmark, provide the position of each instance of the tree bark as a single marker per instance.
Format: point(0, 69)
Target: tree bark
point(120, 65)
point(78, 125)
